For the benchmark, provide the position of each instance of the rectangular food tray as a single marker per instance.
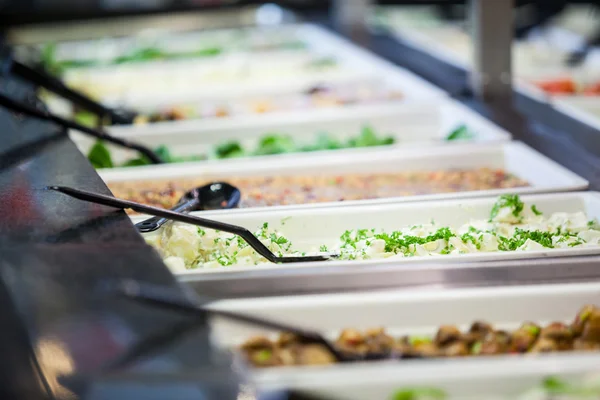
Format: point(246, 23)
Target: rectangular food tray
point(408, 125)
point(543, 174)
point(309, 228)
point(582, 108)
point(354, 60)
point(416, 313)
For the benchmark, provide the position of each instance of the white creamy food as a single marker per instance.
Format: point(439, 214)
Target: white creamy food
point(511, 227)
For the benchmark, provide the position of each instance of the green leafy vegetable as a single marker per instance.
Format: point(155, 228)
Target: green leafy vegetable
point(368, 138)
point(423, 393)
point(137, 162)
point(229, 150)
point(512, 201)
point(99, 156)
point(324, 142)
point(275, 144)
point(460, 133)
point(164, 153)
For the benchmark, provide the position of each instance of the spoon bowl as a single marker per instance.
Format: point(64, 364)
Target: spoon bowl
point(214, 196)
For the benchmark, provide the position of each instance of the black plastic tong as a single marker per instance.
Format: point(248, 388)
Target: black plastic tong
point(56, 86)
point(19, 107)
point(242, 232)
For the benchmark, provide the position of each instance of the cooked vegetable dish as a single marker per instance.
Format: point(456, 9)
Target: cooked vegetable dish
point(283, 190)
point(511, 227)
point(481, 339)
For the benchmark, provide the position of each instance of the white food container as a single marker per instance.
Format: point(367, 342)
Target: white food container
point(308, 227)
point(417, 313)
point(583, 108)
point(354, 63)
point(543, 174)
point(408, 125)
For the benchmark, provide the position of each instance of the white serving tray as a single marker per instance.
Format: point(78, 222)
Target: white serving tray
point(321, 42)
point(465, 379)
point(583, 108)
point(543, 174)
point(310, 227)
point(409, 125)
point(416, 313)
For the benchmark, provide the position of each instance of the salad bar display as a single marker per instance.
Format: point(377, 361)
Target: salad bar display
point(275, 160)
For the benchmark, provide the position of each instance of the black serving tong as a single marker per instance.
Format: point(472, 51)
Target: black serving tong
point(214, 196)
point(56, 86)
point(165, 298)
point(19, 107)
point(244, 233)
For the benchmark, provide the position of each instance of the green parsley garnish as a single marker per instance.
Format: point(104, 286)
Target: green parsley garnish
point(460, 133)
point(512, 201)
point(201, 231)
point(520, 237)
point(535, 210)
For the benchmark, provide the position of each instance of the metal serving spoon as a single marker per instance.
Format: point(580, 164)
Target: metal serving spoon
point(214, 196)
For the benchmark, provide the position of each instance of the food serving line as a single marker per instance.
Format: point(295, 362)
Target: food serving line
point(411, 170)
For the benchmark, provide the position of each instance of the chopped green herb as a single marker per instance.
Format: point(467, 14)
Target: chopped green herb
point(521, 236)
point(323, 249)
point(201, 231)
point(512, 201)
point(476, 348)
point(535, 210)
point(460, 133)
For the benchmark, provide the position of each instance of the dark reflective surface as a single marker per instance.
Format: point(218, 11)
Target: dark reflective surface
point(54, 252)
